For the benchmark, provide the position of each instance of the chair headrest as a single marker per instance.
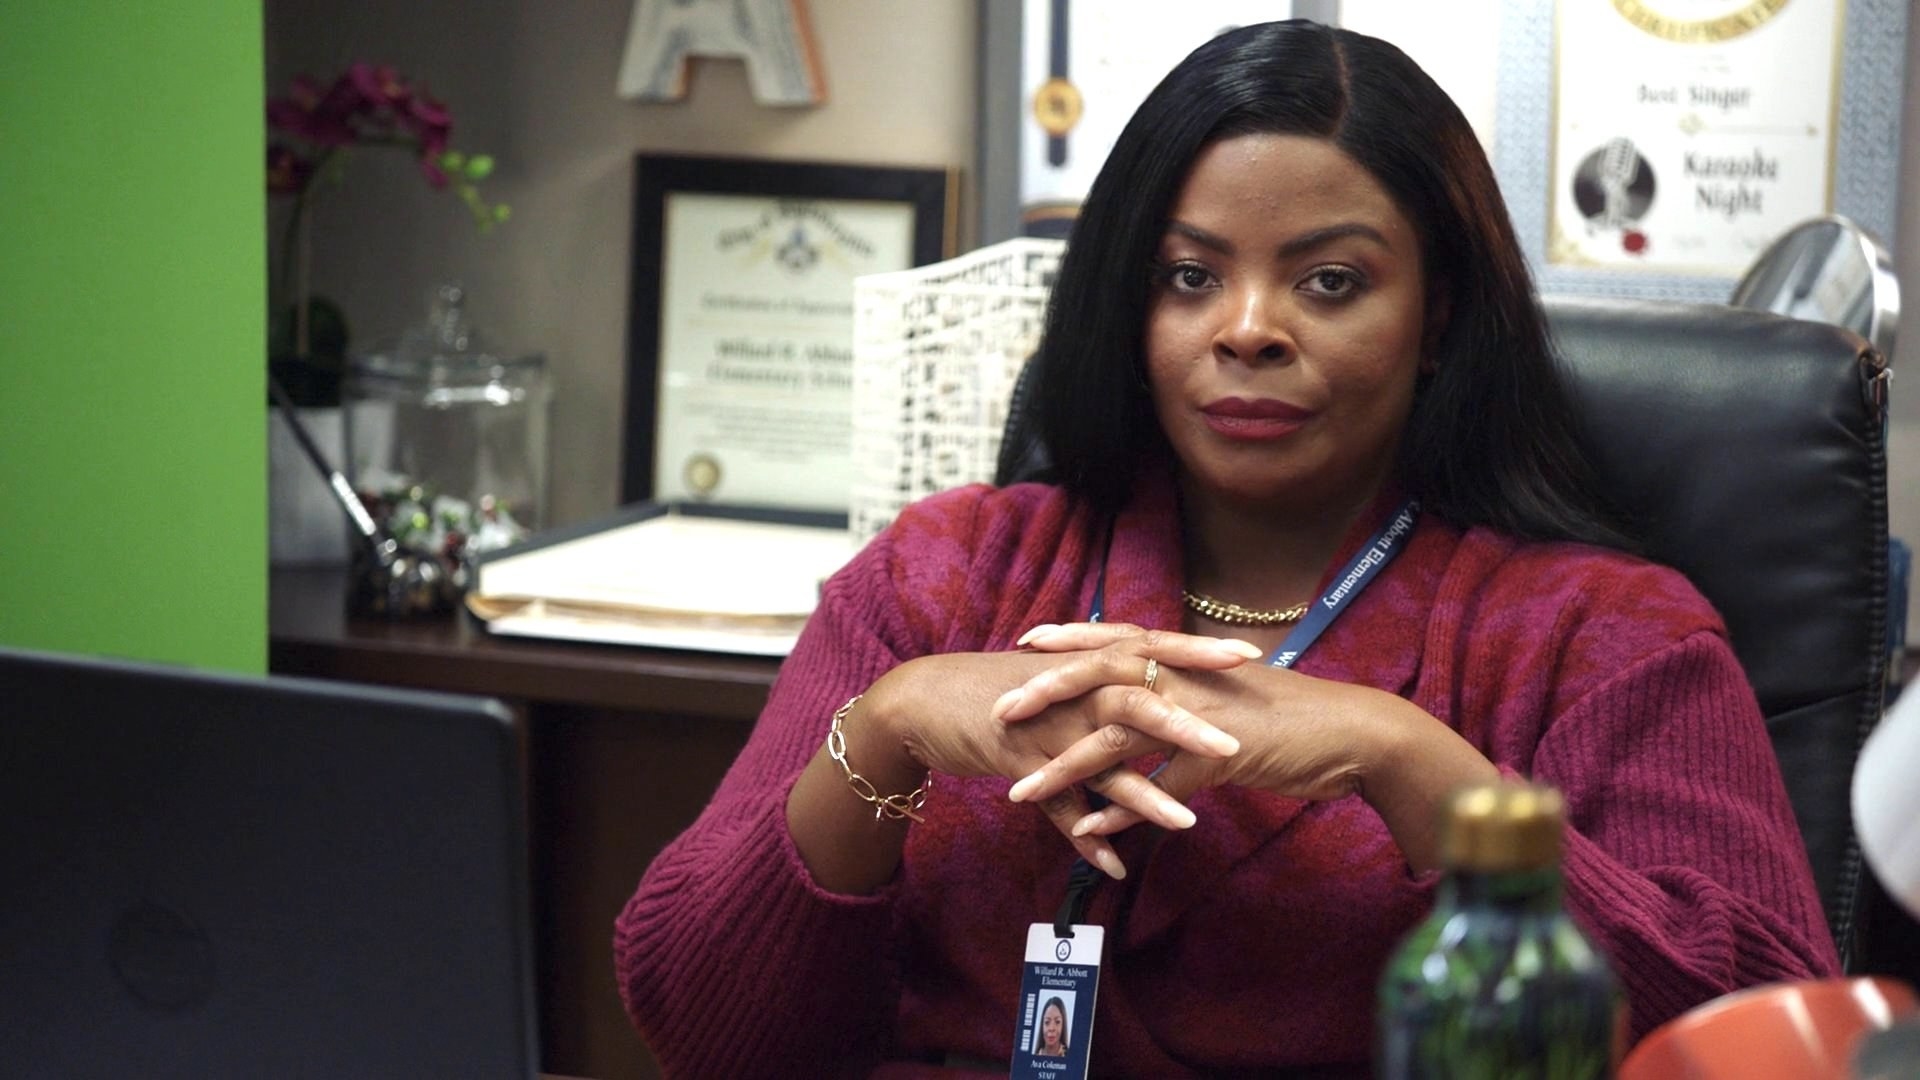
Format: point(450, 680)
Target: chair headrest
point(1751, 460)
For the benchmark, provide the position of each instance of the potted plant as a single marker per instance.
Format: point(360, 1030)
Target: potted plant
point(313, 131)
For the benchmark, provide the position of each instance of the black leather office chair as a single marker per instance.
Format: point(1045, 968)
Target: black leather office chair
point(1749, 450)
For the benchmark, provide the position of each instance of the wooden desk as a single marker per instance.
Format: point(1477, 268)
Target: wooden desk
point(624, 746)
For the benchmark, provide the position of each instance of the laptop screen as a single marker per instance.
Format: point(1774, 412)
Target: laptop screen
point(210, 875)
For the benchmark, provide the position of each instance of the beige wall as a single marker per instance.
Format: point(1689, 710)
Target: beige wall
point(532, 82)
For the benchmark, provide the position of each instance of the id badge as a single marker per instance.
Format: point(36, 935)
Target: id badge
point(1058, 983)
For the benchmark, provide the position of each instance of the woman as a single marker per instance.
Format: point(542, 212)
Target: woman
point(1051, 1040)
point(1292, 305)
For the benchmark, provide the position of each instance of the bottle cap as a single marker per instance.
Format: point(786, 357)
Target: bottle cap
point(1501, 827)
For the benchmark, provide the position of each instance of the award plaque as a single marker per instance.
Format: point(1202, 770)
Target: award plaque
point(1060, 78)
point(1689, 134)
point(1653, 149)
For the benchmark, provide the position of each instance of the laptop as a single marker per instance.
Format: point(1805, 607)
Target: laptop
point(216, 876)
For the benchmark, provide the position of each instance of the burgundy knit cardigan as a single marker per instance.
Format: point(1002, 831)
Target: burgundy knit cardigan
point(1253, 941)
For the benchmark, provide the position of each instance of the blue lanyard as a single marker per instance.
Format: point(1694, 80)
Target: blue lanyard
point(1360, 571)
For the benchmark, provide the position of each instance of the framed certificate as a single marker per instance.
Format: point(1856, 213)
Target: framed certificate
point(1060, 78)
point(1655, 148)
point(740, 352)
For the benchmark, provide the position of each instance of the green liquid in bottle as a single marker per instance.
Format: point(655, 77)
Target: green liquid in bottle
point(1498, 982)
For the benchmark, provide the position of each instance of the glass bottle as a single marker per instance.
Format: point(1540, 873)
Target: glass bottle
point(1498, 981)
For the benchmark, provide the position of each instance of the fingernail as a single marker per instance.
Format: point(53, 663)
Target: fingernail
point(1180, 817)
point(1005, 702)
point(1242, 648)
point(1089, 823)
point(1109, 863)
point(1038, 631)
point(1221, 743)
point(1025, 786)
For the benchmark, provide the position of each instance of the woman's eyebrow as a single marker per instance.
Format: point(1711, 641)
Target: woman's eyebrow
point(1298, 245)
point(1313, 238)
point(1201, 236)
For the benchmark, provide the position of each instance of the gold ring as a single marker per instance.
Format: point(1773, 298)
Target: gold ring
point(1153, 672)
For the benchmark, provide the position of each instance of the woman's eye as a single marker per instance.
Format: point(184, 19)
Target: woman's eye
point(1188, 277)
point(1332, 281)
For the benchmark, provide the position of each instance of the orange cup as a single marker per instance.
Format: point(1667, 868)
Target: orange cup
point(1782, 1031)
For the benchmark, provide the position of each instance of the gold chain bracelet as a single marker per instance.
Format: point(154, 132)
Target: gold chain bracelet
point(895, 806)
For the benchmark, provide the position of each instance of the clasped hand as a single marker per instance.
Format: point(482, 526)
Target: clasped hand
point(1083, 713)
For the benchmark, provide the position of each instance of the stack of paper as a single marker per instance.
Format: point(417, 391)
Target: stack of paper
point(668, 580)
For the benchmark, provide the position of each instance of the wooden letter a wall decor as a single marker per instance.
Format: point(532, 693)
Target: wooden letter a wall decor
point(772, 36)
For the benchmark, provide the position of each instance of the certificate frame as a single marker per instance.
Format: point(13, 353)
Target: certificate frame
point(782, 188)
point(1005, 101)
point(1871, 61)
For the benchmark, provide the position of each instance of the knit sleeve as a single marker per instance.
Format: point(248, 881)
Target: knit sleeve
point(1683, 862)
point(731, 960)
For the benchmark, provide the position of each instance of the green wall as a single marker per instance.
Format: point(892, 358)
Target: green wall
point(132, 328)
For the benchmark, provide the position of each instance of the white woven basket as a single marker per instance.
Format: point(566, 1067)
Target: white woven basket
point(935, 354)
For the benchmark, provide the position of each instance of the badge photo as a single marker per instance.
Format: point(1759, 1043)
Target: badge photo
point(1058, 984)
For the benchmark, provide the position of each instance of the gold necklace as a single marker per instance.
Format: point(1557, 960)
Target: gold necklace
point(1235, 615)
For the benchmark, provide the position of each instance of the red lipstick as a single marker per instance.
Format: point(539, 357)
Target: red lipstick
point(1264, 418)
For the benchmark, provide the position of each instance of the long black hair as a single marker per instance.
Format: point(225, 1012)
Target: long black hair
point(1492, 439)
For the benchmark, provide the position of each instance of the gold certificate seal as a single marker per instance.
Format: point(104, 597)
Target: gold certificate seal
point(1057, 106)
point(702, 474)
point(1665, 20)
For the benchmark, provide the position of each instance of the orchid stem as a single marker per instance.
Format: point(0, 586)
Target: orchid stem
point(303, 269)
point(296, 258)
